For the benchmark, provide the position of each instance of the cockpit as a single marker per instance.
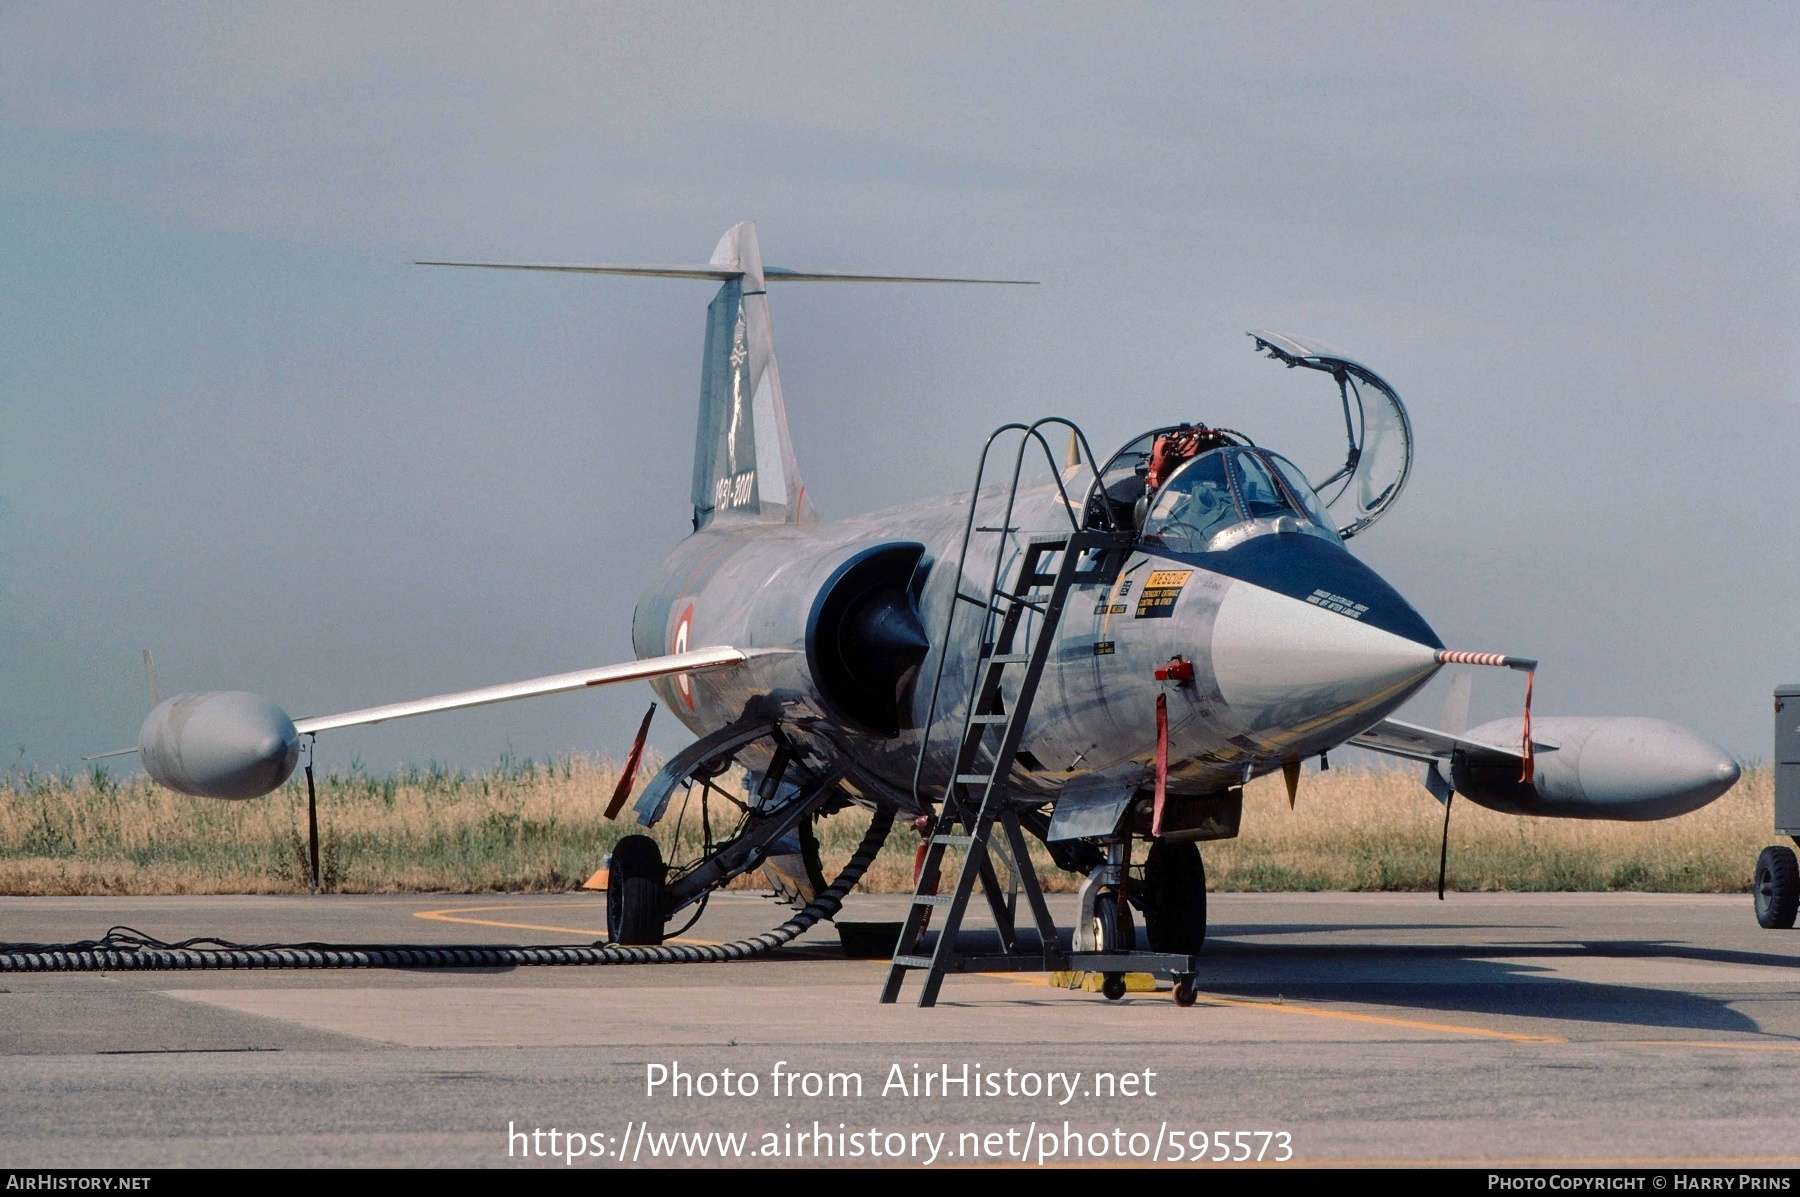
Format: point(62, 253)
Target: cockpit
point(1197, 489)
point(1227, 495)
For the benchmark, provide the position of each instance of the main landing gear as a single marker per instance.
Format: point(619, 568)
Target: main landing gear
point(774, 829)
point(636, 906)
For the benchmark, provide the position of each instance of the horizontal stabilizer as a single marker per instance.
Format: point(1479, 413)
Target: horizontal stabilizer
point(730, 270)
point(696, 661)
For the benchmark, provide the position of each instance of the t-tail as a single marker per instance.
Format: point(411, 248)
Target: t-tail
point(744, 467)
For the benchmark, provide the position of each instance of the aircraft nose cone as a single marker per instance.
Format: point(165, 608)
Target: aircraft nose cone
point(1284, 664)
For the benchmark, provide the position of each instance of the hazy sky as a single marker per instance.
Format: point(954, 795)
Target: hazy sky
point(237, 427)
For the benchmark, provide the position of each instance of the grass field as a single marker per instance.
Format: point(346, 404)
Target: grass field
point(537, 826)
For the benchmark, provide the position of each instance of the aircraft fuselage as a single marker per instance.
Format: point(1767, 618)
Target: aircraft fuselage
point(1295, 646)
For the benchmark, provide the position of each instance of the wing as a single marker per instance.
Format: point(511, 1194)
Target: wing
point(698, 660)
point(1417, 743)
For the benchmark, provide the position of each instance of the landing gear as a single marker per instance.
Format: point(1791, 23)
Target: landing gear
point(1776, 888)
point(636, 898)
point(1113, 932)
point(1174, 898)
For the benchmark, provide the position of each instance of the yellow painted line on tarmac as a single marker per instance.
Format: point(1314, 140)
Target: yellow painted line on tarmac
point(1314, 1011)
point(1725, 1044)
point(451, 914)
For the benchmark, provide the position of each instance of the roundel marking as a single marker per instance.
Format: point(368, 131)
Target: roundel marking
point(684, 683)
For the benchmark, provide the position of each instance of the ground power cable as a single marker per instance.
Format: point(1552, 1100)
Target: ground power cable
point(125, 950)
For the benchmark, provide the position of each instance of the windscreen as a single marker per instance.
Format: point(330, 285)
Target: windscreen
point(1195, 504)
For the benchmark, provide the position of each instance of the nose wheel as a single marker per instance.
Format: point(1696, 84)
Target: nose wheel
point(1113, 932)
point(1175, 898)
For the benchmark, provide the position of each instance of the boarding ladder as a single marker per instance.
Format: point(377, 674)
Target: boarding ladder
point(975, 801)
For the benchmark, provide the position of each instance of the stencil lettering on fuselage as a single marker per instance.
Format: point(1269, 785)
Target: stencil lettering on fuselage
point(1161, 589)
point(1338, 603)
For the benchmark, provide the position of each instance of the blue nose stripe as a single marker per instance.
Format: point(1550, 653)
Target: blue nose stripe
point(1317, 571)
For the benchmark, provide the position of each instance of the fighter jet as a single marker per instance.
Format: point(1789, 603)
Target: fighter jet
point(1100, 660)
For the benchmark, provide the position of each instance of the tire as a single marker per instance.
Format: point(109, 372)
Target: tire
point(1186, 991)
point(634, 893)
point(1107, 937)
point(1776, 888)
point(1110, 937)
point(1175, 899)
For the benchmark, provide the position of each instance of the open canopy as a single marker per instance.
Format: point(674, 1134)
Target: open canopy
point(1379, 456)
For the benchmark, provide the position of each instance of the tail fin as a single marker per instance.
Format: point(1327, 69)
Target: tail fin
point(744, 468)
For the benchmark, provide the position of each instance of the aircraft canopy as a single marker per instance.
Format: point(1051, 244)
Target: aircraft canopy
point(1380, 452)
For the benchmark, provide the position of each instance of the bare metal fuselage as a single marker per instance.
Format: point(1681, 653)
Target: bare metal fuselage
point(1279, 675)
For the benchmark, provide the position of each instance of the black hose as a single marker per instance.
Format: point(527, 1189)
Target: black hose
point(125, 950)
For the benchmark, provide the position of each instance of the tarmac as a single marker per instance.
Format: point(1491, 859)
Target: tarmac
point(1496, 1030)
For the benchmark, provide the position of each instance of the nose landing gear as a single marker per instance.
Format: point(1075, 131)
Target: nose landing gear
point(1172, 896)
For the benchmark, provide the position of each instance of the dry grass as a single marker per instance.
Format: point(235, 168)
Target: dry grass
point(1358, 829)
point(537, 826)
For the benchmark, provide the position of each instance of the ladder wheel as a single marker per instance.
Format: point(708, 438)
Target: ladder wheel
point(634, 893)
point(1113, 986)
point(1186, 991)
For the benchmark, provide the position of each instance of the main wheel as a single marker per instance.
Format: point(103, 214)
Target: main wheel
point(1175, 899)
point(1776, 888)
point(634, 892)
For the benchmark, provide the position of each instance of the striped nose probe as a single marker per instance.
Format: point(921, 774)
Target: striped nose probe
point(1525, 665)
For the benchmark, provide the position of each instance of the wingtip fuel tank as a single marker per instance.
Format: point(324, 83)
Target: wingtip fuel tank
point(222, 744)
point(1627, 768)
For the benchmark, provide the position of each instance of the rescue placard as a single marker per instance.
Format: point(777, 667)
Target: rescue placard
point(1161, 590)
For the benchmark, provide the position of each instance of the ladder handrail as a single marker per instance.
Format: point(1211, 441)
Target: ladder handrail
point(1030, 433)
point(977, 799)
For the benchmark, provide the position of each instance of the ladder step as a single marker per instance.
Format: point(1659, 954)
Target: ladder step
point(954, 841)
point(912, 962)
point(933, 899)
point(1009, 658)
point(973, 779)
point(989, 718)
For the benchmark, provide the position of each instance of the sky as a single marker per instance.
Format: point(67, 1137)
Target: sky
point(238, 428)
